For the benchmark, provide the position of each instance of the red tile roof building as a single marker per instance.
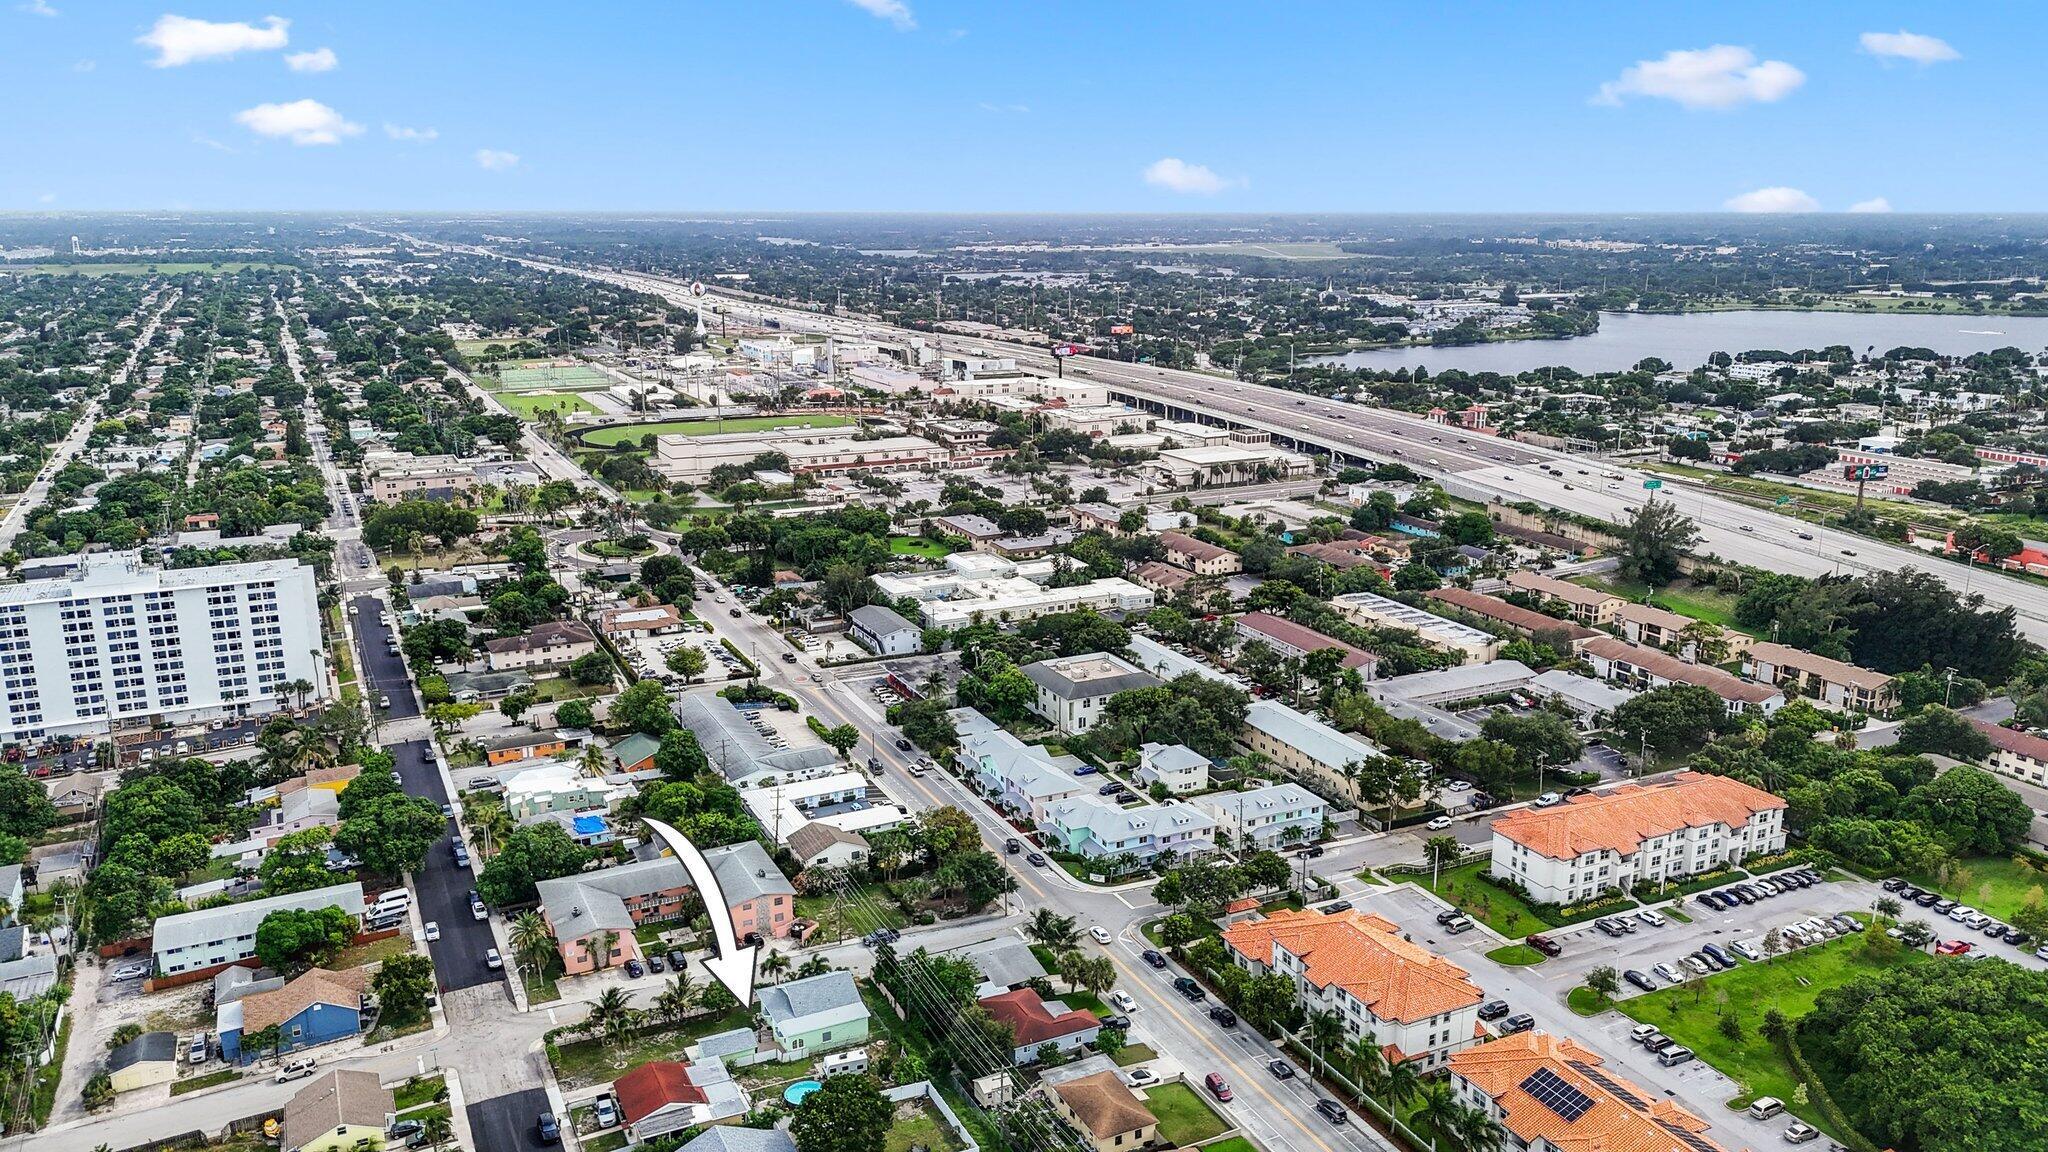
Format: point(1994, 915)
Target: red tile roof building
point(1552, 1094)
point(1034, 1024)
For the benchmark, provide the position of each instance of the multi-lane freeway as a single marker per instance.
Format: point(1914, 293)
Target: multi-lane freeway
point(1471, 464)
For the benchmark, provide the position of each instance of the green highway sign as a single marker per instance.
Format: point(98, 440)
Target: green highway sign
point(1784, 499)
point(1653, 485)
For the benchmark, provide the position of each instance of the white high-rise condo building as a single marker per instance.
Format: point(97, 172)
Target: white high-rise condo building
point(117, 644)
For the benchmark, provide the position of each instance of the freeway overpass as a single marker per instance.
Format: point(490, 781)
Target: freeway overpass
point(1469, 465)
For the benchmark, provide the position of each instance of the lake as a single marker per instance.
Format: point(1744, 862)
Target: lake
point(1686, 340)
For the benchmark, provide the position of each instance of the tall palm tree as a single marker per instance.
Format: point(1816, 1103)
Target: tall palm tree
point(1058, 933)
point(1325, 1032)
point(438, 1130)
point(609, 1006)
point(1477, 1131)
point(532, 942)
point(774, 964)
point(1437, 1107)
point(487, 821)
point(1403, 1081)
point(1369, 1065)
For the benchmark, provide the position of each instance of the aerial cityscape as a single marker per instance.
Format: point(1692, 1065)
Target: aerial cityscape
point(886, 576)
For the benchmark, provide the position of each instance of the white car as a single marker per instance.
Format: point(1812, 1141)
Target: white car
point(1122, 1000)
point(1100, 933)
point(1458, 786)
point(1548, 799)
point(433, 929)
point(492, 960)
point(1439, 824)
point(1142, 1076)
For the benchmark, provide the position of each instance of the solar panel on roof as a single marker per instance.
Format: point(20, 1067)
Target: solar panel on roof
point(1554, 1093)
point(1612, 1086)
point(1692, 1140)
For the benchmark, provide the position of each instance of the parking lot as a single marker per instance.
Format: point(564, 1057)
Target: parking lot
point(649, 656)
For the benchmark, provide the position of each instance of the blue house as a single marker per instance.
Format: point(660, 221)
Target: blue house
point(318, 1007)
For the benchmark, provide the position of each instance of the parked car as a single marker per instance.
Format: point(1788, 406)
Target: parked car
point(605, 1112)
point(1639, 980)
point(1189, 989)
point(1123, 1000)
point(1952, 948)
point(1650, 918)
point(296, 1070)
point(1448, 915)
point(1668, 974)
point(1493, 1009)
point(546, 1127)
point(1013, 846)
point(1217, 1086)
point(1223, 1016)
point(1720, 954)
point(433, 930)
point(1332, 1111)
point(1545, 945)
point(1036, 859)
point(1459, 926)
point(654, 963)
point(1154, 957)
point(1548, 799)
point(1099, 934)
point(492, 960)
point(1143, 1076)
point(1438, 824)
point(676, 959)
point(635, 969)
point(1746, 950)
point(1799, 1132)
point(1520, 1022)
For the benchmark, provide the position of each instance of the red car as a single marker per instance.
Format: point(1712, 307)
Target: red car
point(1952, 948)
point(1218, 1086)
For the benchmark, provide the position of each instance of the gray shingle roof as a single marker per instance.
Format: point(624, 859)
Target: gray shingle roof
point(746, 873)
point(808, 997)
point(1095, 674)
point(879, 621)
point(594, 901)
point(727, 1138)
point(230, 920)
point(150, 1047)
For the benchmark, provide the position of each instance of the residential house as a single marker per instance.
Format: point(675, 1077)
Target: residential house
point(2014, 753)
point(520, 746)
point(1103, 1108)
point(1034, 1023)
point(211, 937)
point(1551, 1095)
point(883, 631)
point(1645, 624)
point(1286, 638)
point(1269, 817)
point(1097, 830)
point(820, 845)
point(1198, 556)
point(732, 1138)
point(1589, 606)
point(1416, 1004)
point(1005, 962)
point(297, 812)
point(1636, 666)
point(1181, 769)
point(1073, 690)
point(339, 1112)
point(1023, 779)
point(813, 1015)
point(662, 1097)
point(1547, 629)
point(604, 907)
point(1161, 577)
point(151, 1058)
point(1832, 682)
point(1302, 745)
point(318, 1007)
point(544, 788)
point(635, 753)
point(78, 796)
point(1636, 835)
point(643, 620)
point(554, 644)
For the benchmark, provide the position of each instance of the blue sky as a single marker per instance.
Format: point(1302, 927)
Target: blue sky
point(923, 105)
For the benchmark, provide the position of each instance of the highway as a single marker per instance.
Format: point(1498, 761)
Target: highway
point(1470, 464)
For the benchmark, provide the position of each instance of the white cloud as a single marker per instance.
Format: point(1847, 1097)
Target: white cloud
point(414, 135)
point(1778, 199)
point(37, 8)
point(182, 40)
point(493, 160)
point(1177, 175)
point(318, 60)
point(991, 106)
point(894, 11)
point(1874, 204)
point(1722, 76)
point(209, 142)
point(302, 122)
point(1904, 45)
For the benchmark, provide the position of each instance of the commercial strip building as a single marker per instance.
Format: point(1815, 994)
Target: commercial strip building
point(1449, 686)
point(1367, 608)
point(1636, 666)
point(1635, 835)
point(116, 643)
point(1833, 682)
point(976, 586)
point(1416, 1004)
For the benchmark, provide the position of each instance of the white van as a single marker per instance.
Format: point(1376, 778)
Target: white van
point(1676, 1054)
point(1765, 1107)
point(393, 900)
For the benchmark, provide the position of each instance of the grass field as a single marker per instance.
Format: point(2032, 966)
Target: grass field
point(850, 921)
point(1789, 983)
point(1683, 597)
point(166, 269)
point(920, 1127)
point(1515, 956)
point(585, 1062)
point(1183, 1116)
point(528, 406)
point(476, 347)
point(532, 374)
point(1484, 901)
point(611, 437)
point(918, 546)
point(1993, 885)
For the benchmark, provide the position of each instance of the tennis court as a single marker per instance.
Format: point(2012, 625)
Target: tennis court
point(548, 376)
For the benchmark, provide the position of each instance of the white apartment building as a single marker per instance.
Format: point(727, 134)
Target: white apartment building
point(1414, 1004)
point(1072, 690)
point(116, 643)
point(1366, 608)
point(1634, 835)
point(190, 941)
point(2014, 753)
point(1269, 817)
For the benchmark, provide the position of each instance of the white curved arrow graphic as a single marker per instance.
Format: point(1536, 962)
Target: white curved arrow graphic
point(733, 967)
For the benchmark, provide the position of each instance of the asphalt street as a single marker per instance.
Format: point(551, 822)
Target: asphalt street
point(506, 1122)
point(442, 886)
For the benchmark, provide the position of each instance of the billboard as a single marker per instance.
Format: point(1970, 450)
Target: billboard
point(1070, 350)
point(1866, 471)
point(1121, 330)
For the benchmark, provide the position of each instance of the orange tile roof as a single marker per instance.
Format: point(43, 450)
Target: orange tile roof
point(1620, 819)
point(1364, 955)
point(1623, 1118)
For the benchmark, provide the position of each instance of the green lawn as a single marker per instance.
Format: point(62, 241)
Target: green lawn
point(848, 920)
point(528, 406)
point(611, 437)
point(921, 1128)
point(1993, 885)
point(919, 546)
point(1131, 1055)
point(562, 688)
point(1234, 1144)
point(581, 1063)
point(416, 1091)
point(1183, 1116)
point(1499, 909)
point(208, 1080)
point(1586, 1002)
point(1683, 597)
point(1515, 956)
point(1790, 983)
point(375, 952)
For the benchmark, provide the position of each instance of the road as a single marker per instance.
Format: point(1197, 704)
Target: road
point(81, 429)
point(1472, 465)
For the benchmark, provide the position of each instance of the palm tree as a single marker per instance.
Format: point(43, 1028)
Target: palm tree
point(487, 821)
point(438, 1130)
point(1438, 1108)
point(302, 688)
point(1325, 1031)
point(532, 942)
point(609, 1006)
point(1402, 1082)
point(673, 1002)
point(774, 964)
point(1369, 1065)
point(1477, 1131)
point(1058, 933)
